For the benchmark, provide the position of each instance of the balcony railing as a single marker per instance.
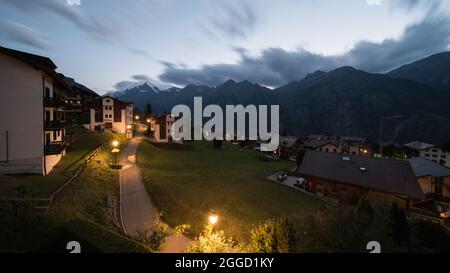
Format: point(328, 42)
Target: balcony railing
point(54, 124)
point(54, 102)
point(55, 148)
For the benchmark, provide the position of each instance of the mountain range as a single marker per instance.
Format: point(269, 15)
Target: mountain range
point(345, 101)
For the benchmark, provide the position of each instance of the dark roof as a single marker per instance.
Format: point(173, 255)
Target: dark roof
point(72, 83)
point(38, 62)
point(109, 97)
point(425, 167)
point(387, 175)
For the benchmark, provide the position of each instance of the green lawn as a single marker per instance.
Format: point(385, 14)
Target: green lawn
point(186, 184)
point(83, 144)
point(80, 212)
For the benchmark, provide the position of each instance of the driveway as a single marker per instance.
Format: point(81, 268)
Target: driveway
point(137, 210)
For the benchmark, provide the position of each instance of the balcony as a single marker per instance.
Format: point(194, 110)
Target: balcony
point(54, 125)
point(54, 102)
point(54, 148)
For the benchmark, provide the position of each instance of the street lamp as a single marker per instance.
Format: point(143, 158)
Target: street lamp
point(381, 130)
point(137, 117)
point(115, 150)
point(213, 219)
point(148, 120)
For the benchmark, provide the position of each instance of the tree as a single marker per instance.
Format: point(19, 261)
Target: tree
point(148, 110)
point(401, 231)
point(211, 241)
point(154, 238)
point(274, 236)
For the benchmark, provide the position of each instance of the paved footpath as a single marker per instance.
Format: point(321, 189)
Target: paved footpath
point(137, 210)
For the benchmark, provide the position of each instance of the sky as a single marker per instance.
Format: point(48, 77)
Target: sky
point(111, 45)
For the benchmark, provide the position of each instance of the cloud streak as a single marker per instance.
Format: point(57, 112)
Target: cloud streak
point(21, 34)
point(236, 21)
point(275, 66)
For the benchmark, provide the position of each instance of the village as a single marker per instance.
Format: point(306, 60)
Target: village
point(51, 111)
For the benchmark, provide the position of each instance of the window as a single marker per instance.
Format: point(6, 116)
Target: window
point(434, 156)
point(434, 150)
point(335, 151)
point(427, 155)
point(106, 116)
point(327, 150)
point(107, 101)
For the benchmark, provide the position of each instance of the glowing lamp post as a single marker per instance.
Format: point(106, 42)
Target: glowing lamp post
point(115, 150)
point(129, 132)
point(213, 219)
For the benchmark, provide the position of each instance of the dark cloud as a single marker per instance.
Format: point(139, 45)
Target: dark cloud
point(235, 20)
point(18, 33)
point(276, 66)
point(97, 30)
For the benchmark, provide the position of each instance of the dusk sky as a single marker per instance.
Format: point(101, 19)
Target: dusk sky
point(113, 44)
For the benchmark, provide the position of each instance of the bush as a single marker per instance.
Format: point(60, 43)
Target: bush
point(211, 241)
point(274, 236)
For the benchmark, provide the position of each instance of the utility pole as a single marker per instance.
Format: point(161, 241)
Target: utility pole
point(381, 130)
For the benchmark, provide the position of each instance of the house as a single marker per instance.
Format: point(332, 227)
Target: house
point(108, 113)
point(32, 123)
point(338, 145)
point(289, 147)
point(340, 177)
point(434, 179)
point(431, 152)
point(161, 127)
point(77, 99)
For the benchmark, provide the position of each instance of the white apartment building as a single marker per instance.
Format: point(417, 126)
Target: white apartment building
point(431, 152)
point(108, 113)
point(32, 127)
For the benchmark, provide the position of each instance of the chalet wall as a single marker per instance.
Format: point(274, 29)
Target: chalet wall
point(21, 110)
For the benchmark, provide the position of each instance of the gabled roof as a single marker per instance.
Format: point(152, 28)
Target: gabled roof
point(425, 167)
point(288, 141)
point(387, 175)
point(38, 62)
point(418, 145)
point(316, 143)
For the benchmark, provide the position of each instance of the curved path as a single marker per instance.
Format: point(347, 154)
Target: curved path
point(136, 209)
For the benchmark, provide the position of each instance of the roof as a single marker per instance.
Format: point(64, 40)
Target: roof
point(72, 83)
point(418, 145)
point(387, 175)
point(425, 167)
point(288, 141)
point(109, 97)
point(315, 143)
point(38, 62)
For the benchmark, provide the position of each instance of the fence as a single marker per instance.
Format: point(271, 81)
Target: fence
point(48, 201)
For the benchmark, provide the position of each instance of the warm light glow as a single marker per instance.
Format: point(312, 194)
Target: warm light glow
point(213, 218)
point(137, 117)
point(148, 120)
point(129, 127)
point(115, 143)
